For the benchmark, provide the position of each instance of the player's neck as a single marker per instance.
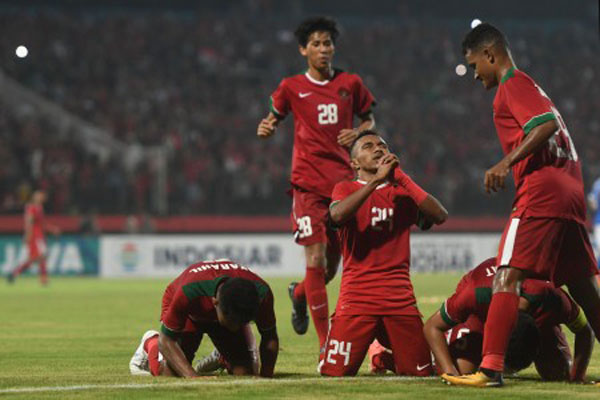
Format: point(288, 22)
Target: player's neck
point(320, 75)
point(505, 65)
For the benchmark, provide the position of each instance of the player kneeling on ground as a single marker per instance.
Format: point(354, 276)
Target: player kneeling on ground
point(374, 214)
point(218, 298)
point(548, 306)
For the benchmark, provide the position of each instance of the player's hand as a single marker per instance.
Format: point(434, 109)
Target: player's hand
point(266, 128)
point(387, 164)
point(347, 136)
point(495, 177)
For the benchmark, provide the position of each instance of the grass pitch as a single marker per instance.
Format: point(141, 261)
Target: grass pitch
point(74, 339)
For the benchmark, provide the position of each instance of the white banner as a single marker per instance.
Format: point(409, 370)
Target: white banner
point(271, 254)
point(167, 255)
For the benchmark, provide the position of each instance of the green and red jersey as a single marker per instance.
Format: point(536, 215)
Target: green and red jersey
point(548, 182)
point(549, 306)
point(189, 296)
point(321, 109)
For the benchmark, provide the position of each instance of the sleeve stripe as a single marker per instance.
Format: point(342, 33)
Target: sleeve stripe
point(578, 323)
point(333, 203)
point(169, 332)
point(273, 109)
point(445, 316)
point(538, 120)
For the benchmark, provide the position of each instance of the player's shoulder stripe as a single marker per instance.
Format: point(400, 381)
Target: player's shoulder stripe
point(444, 313)
point(202, 288)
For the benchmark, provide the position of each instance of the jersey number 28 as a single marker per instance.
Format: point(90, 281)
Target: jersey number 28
point(328, 113)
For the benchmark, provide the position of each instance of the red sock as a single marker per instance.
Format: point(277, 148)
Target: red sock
point(316, 295)
point(501, 320)
point(299, 292)
point(21, 268)
point(151, 347)
point(43, 272)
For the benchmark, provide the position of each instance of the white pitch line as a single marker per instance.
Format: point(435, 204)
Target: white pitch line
point(206, 382)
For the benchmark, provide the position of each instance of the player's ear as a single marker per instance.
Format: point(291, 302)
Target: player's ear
point(488, 53)
point(302, 50)
point(354, 164)
point(215, 301)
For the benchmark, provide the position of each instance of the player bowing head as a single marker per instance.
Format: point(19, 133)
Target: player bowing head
point(485, 48)
point(236, 303)
point(316, 41)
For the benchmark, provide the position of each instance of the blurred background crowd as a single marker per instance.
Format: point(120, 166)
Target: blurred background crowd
point(195, 82)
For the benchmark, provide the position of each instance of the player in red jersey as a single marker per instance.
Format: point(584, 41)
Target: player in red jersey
point(218, 298)
point(34, 237)
point(467, 310)
point(546, 237)
point(374, 214)
point(323, 102)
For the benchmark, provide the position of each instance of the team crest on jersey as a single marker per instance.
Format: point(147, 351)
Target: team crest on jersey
point(344, 93)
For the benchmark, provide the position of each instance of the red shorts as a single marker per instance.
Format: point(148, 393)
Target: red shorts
point(36, 247)
point(310, 216)
point(237, 348)
point(554, 359)
point(554, 249)
point(350, 336)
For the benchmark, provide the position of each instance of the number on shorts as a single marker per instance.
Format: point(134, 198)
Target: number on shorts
point(304, 227)
point(342, 348)
point(328, 114)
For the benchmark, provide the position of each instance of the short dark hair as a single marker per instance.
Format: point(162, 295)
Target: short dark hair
point(364, 133)
point(524, 343)
point(316, 24)
point(483, 34)
point(238, 300)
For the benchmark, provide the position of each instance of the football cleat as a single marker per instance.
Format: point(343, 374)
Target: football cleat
point(211, 363)
point(138, 365)
point(478, 379)
point(299, 311)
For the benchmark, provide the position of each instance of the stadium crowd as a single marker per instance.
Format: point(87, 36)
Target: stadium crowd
point(198, 85)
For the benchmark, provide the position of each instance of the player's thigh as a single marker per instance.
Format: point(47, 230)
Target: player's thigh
point(310, 213)
point(554, 357)
point(412, 355)
point(576, 260)
point(531, 245)
point(237, 348)
point(347, 343)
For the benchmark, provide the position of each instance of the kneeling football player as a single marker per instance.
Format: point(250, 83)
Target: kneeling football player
point(218, 298)
point(374, 214)
point(548, 306)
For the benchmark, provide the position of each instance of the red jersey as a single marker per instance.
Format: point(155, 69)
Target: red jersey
point(375, 246)
point(548, 182)
point(36, 213)
point(321, 110)
point(549, 306)
point(192, 292)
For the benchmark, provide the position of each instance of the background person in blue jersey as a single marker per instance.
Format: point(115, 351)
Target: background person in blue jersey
point(594, 200)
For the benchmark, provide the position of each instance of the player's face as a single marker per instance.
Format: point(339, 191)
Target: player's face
point(39, 197)
point(224, 321)
point(482, 63)
point(319, 50)
point(368, 152)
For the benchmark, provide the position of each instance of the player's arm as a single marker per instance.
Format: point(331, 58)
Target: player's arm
point(341, 211)
point(584, 344)
point(267, 125)
point(430, 208)
point(269, 349)
point(347, 136)
point(171, 351)
point(535, 139)
point(434, 331)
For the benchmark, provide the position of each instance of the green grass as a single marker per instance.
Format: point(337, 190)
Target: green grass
point(83, 331)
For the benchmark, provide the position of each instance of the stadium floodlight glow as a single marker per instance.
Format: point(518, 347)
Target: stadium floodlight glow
point(460, 69)
point(475, 22)
point(21, 51)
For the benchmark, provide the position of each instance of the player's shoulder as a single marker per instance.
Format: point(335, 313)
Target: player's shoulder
point(347, 76)
point(348, 184)
point(515, 78)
